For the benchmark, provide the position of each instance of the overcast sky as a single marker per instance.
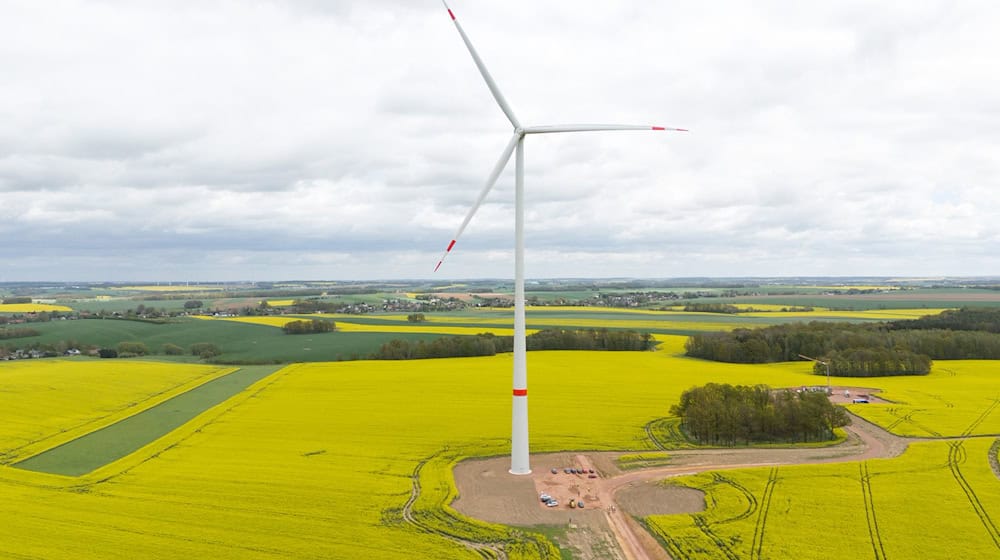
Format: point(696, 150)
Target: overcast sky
point(346, 139)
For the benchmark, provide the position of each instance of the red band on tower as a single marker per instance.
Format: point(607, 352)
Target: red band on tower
point(520, 392)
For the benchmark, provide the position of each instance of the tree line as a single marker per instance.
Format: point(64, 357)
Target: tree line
point(487, 344)
point(309, 326)
point(697, 307)
point(723, 414)
point(860, 349)
point(17, 332)
point(985, 319)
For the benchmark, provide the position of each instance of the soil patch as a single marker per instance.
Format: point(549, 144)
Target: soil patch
point(611, 498)
point(650, 497)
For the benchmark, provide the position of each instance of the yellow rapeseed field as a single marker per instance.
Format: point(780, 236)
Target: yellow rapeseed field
point(268, 320)
point(426, 328)
point(347, 326)
point(31, 307)
point(318, 461)
point(48, 402)
point(938, 500)
point(958, 397)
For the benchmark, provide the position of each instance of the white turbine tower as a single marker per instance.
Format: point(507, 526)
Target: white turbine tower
point(519, 462)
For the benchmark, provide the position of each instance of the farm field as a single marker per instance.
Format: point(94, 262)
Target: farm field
point(248, 340)
point(318, 461)
point(240, 342)
point(31, 307)
point(937, 500)
point(95, 449)
point(958, 398)
point(47, 402)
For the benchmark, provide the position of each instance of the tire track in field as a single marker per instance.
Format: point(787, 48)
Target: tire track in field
point(908, 418)
point(703, 526)
point(981, 418)
point(757, 544)
point(899, 419)
point(747, 495)
point(487, 551)
point(957, 456)
point(874, 535)
point(649, 434)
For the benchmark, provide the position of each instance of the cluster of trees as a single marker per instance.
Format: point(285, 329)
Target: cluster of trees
point(130, 349)
point(205, 350)
point(965, 319)
point(487, 344)
point(445, 347)
point(712, 308)
point(309, 326)
point(860, 350)
point(590, 339)
point(16, 299)
point(14, 332)
point(723, 414)
point(874, 362)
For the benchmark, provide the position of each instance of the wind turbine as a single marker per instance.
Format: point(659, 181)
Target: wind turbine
point(519, 462)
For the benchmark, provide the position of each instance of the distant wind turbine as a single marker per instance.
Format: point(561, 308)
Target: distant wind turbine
point(519, 461)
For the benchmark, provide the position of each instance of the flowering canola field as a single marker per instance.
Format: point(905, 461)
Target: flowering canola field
point(938, 500)
point(31, 307)
point(958, 398)
point(48, 402)
point(320, 460)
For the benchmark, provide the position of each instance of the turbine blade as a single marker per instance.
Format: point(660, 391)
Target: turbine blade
point(490, 181)
point(482, 70)
point(595, 127)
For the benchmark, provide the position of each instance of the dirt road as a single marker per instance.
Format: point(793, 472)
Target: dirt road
point(612, 497)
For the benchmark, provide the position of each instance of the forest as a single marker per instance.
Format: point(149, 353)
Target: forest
point(487, 344)
point(723, 414)
point(862, 350)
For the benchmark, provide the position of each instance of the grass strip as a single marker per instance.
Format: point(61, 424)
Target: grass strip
point(96, 449)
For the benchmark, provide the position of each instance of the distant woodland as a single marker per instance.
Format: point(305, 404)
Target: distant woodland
point(488, 344)
point(861, 350)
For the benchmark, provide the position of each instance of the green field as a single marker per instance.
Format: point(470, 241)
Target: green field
point(239, 342)
point(96, 449)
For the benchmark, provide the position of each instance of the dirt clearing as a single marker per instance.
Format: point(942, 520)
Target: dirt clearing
point(612, 499)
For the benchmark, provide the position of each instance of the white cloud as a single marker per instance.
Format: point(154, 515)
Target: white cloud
point(225, 140)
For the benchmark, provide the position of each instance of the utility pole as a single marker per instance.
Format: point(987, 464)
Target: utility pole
point(829, 389)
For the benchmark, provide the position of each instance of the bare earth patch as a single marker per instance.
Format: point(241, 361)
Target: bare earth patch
point(606, 526)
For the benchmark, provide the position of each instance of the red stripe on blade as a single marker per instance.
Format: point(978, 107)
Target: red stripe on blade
point(658, 128)
point(438, 265)
point(520, 392)
point(451, 14)
point(450, 245)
